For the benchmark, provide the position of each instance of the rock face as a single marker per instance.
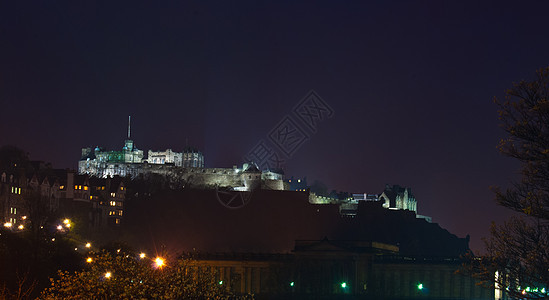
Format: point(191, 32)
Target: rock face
point(269, 221)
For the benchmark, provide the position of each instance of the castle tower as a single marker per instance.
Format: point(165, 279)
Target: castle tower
point(128, 144)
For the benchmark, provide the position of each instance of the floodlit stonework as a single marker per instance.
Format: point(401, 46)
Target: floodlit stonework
point(181, 169)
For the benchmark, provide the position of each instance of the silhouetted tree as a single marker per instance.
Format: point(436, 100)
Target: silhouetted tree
point(519, 249)
point(13, 159)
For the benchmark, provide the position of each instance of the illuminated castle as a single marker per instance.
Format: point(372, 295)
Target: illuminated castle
point(181, 169)
point(102, 163)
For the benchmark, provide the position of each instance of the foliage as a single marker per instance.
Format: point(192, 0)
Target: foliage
point(127, 276)
point(519, 249)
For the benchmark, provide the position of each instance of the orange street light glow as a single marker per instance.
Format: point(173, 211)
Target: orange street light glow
point(89, 260)
point(159, 262)
point(108, 275)
point(88, 245)
point(142, 255)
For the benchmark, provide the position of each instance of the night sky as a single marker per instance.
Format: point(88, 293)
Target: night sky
point(410, 83)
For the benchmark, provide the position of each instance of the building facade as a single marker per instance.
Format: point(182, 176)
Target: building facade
point(96, 203)
point(343, 270)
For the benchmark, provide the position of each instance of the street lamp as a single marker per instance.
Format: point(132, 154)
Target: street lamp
point(159, 262)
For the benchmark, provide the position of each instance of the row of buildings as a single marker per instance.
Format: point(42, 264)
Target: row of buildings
point(39, 196)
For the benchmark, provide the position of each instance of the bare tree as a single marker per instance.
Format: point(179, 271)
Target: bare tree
point(518, 250)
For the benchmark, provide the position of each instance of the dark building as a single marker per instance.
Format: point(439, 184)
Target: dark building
point(342, 270)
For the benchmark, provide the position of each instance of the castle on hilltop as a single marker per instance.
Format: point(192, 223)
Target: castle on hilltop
point(181, 169)
point(186, 169)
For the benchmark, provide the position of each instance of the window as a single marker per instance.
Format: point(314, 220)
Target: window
point(85, 188)
point(111, 213)
point(61, 187)
point(117, 221)
point(113, 203)
point(113, 195)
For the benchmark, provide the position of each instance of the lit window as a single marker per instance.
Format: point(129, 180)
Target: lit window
point(79, 187)
point(18, 191)
point(61, 187)
point(111, 213)
point(117, 221)
point(113, 195)
point(85, 188)
point(113, 203)
point(75, 187)
point(91, 197)
point(120, 213)
point(103, 188)
point(12, 190)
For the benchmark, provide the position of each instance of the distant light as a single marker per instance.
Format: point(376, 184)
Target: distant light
point(108, 275)
point(220, 282)
point(292, 283)
point(66, 221)
point(24, 217)
point(53, 239)
point(89, 260)
point(524, 292)
point(68, 225)
point(59, 227)
point(8, 224)
point(159, 262)
point(88, 245)
point(142, 255)
point(420, 286)
point(344, 284)
point(117, 250)
point(543, 290)
point(76, 249)
point(21, 227)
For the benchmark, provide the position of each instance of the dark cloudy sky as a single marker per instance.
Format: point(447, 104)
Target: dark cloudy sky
point(411, 85)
